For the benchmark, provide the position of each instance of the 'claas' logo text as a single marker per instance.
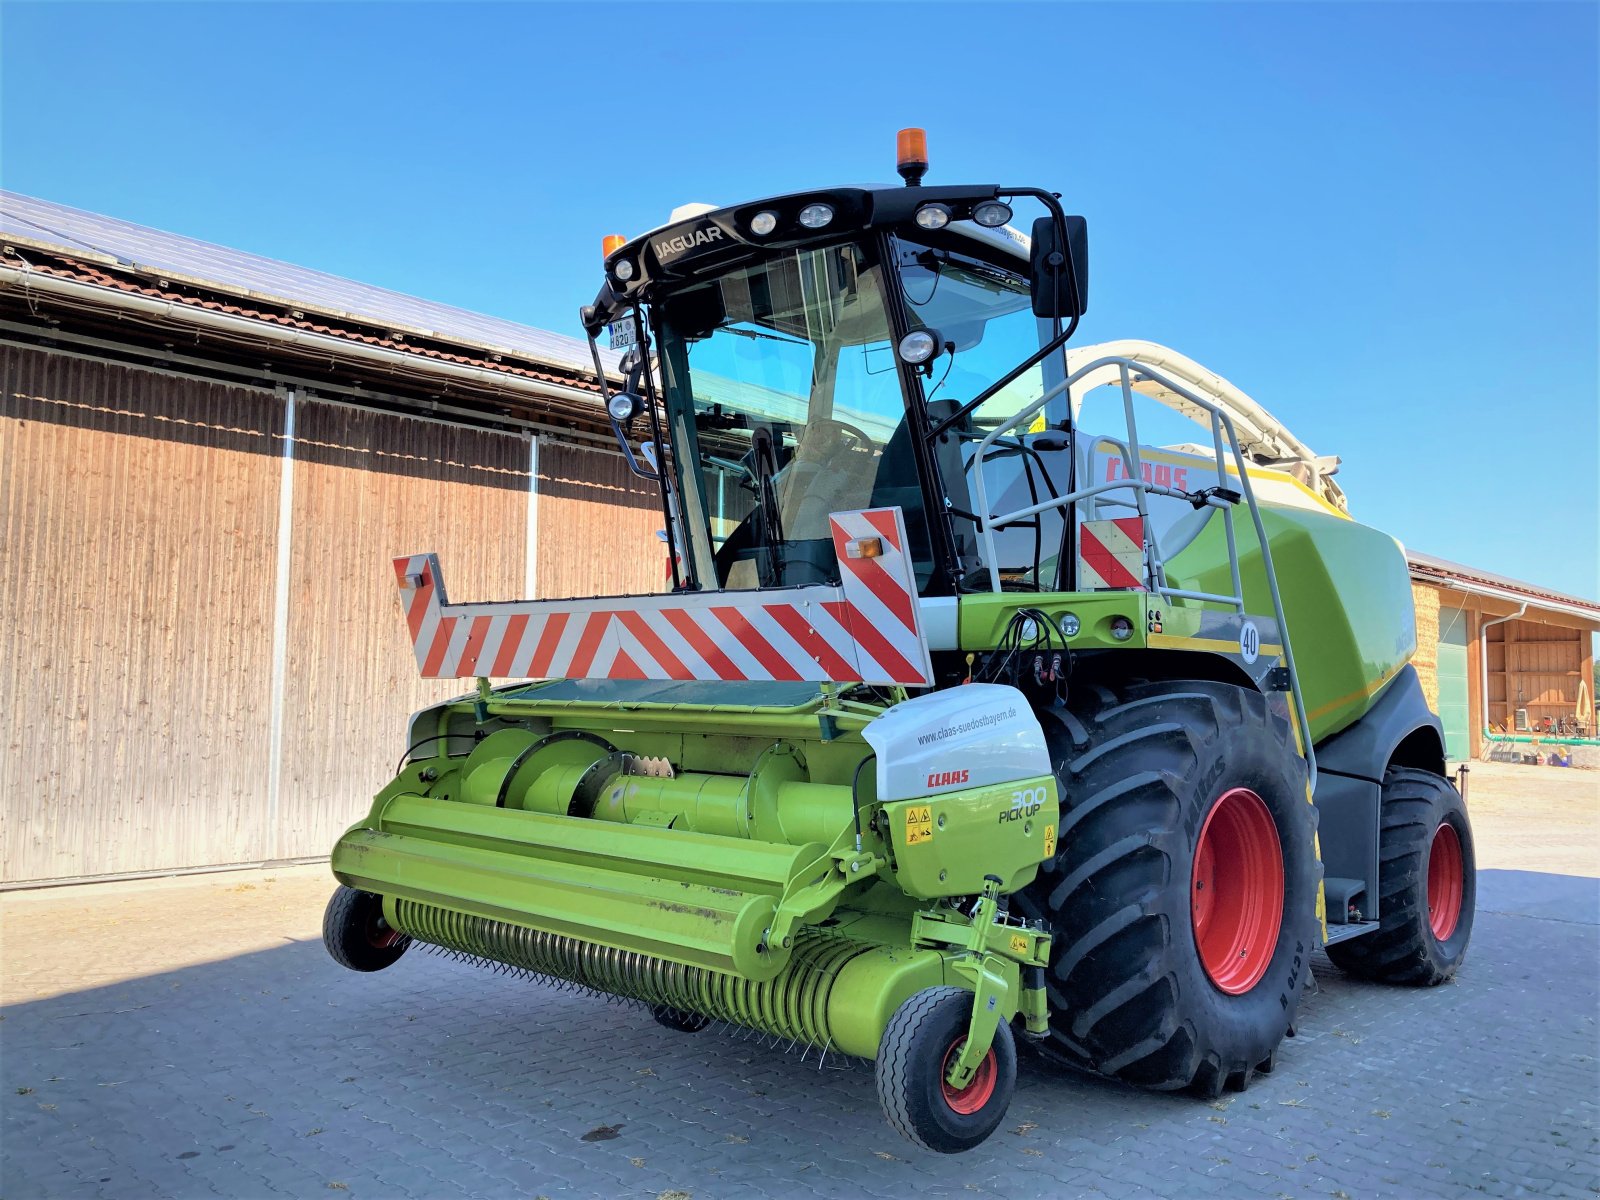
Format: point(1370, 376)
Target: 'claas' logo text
point(946, 778)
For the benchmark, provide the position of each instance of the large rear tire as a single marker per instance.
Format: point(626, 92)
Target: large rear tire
point(1427, 885)
point(1169, 789)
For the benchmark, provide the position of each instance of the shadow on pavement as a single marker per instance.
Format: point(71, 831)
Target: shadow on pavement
point(278, 1073)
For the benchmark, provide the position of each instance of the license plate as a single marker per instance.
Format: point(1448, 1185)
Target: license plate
point(624, 333)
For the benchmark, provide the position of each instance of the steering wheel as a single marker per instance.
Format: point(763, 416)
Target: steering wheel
point(836, 431)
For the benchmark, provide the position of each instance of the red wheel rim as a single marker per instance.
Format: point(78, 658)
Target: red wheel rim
point(380, 934)
point(976, 1094)
point(1236, 894)
point(1446, 880)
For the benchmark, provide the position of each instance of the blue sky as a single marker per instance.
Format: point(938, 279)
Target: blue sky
point(1379, 219)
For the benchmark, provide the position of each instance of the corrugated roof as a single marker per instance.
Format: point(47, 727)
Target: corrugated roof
point(171, 256)
point(1444, 571)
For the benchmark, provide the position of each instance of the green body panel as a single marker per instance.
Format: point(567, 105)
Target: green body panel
point(944, 845)
point(1346, 594)
point(982, 618)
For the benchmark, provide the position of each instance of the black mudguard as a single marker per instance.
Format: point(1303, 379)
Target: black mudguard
point(1399, 730)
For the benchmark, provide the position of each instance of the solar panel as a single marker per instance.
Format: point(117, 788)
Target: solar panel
point(153, 251)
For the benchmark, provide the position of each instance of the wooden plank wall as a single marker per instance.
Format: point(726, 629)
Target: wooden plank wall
point(370, 486)
point(139, 553)
point(1539, 663)
point(597, 526)
point(136, 558)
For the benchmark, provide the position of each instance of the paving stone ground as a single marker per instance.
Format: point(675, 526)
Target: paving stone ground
point(192, 1038)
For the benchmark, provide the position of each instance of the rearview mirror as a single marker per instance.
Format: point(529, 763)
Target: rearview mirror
point(1060, 271)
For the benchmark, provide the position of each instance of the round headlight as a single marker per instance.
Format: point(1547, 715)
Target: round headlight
point(1069, 624)
point(918, 347)
point(815, 216)
point(623, 407)
point(623, 270)
point(763, 223)
point(991, 214)
point(933, 216)
point(1121, 628)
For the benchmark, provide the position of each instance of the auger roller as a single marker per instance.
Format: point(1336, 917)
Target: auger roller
point(958, 723)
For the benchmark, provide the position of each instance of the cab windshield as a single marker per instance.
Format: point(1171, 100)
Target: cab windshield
point(783, 392)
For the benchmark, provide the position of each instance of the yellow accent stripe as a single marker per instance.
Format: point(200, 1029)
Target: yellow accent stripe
point(1359, 694)
point(1173, 641)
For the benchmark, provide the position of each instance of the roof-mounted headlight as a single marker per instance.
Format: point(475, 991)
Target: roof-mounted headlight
point(991, 214)
point(763, 223)
point(816, 216)
point(623, 269)
point(933, 216)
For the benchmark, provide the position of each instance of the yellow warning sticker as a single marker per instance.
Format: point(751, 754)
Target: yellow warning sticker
point(1049, 840)
point(919, 824)
point(1019, 945)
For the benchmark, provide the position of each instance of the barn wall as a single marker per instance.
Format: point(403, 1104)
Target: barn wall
point(136, 548)
point(140, 549)
point(597, 526)
point(368, 487)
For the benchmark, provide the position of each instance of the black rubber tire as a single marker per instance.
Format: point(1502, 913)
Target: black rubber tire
point(1139, 770)
point(1403, 949)
point(679, 1019)
point(355, 933)
point(910, 1072)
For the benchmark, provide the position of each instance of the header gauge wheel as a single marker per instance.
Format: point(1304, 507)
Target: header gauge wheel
point(919, 1044)
point(355, 933)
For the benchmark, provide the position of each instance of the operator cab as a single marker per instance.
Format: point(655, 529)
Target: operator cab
point(838, 350)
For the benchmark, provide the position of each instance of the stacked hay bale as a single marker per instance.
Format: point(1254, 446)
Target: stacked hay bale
point(1426, 659)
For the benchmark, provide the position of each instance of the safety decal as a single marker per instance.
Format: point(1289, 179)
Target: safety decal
point(1019, 945)
point(1111, 554)
point(919, 824)
point(1049, 840)
point(867, 630)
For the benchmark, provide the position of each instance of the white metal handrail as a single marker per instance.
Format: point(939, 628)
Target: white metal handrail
point(1221, 424)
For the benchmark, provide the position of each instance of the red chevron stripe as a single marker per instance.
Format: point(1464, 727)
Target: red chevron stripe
point(882, 520)
point(813, 643)
point(509, 644)
point(549, 639)
point(884, 586)
point(588, 645)
point(654, 646)
point(440, 646)
point(1098, 558)
point(703, 645)
point(474, 646)
point(623, 667)
point(776, 665)
point(874, 643)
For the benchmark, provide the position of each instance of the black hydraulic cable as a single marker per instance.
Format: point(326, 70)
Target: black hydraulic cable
point(855, 795)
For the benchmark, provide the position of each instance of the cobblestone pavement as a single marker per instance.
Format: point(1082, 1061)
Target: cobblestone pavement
point(193, 1038)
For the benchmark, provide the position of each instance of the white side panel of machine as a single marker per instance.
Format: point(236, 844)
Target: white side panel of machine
point(971, 736)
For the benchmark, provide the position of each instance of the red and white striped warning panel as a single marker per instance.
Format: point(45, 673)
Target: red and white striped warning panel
point(866, 631)
point(1111, 554)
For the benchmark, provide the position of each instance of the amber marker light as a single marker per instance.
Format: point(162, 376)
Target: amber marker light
point(611, 244)
point(911, 155)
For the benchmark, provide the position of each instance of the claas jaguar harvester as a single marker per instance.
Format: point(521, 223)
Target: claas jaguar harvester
point(959, 723)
